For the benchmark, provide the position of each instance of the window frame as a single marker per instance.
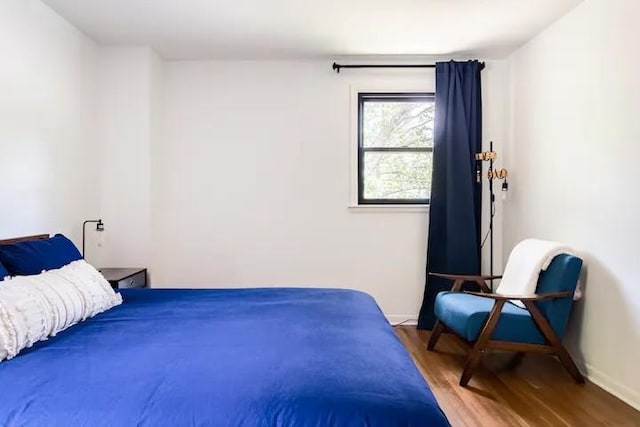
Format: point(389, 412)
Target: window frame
point(363, 97)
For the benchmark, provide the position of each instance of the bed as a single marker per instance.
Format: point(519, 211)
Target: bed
point(222, 357)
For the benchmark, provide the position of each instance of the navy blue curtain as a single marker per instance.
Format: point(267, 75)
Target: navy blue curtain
point(455, 211)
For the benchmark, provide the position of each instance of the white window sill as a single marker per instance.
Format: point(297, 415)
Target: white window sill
point(389, 208)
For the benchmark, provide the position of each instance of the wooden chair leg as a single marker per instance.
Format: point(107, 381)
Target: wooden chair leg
point(480, 344)
point(569, 364)
point(560, 351)
point(471, 364)
point(437, 330)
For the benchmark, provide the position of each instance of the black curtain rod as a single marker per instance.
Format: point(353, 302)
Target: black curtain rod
point(337, 66)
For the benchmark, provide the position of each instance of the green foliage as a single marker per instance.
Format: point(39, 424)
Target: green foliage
point(398, 174)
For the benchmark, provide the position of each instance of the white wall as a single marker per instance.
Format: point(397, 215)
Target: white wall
point(574, 157)
point(239, 166)
point(125, 105)
point(251, 177)
point(496, 114)
point(48, 179)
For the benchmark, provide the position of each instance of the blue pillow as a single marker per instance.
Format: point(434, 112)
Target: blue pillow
point(33, 256)
point(3, 272)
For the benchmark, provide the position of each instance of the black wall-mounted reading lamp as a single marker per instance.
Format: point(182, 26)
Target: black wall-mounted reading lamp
point(99, 227)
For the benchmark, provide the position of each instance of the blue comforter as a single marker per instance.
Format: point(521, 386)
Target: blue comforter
point(236, 357)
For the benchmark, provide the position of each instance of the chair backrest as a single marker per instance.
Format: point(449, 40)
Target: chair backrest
point(561, 275)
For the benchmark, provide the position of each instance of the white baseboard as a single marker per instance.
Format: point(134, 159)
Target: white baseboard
point(407, 319)
point(605, 382)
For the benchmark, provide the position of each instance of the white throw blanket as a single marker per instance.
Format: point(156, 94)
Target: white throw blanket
point(527, 259)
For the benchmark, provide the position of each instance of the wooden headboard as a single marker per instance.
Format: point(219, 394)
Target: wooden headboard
point(24, 239)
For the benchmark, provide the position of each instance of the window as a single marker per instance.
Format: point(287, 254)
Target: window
point(395, 148)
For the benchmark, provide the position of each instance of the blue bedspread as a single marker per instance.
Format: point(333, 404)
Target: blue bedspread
point(235, 357)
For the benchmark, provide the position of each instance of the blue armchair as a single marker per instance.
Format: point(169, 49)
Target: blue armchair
point(490, 322)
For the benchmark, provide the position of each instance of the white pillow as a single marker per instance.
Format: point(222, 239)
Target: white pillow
point(84, 281)
point(32, 308)
point(24, 317)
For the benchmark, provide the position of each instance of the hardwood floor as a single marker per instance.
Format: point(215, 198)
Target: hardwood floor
point(538, 392)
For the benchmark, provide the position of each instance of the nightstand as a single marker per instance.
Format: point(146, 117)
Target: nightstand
point(123, 278)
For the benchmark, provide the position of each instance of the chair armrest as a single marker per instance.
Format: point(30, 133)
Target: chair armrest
point(459, 279)
point(533, 297)
point(466, 278)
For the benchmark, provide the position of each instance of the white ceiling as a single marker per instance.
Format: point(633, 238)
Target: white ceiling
point(198, 29)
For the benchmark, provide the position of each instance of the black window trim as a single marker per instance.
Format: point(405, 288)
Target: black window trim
point(390, 97)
